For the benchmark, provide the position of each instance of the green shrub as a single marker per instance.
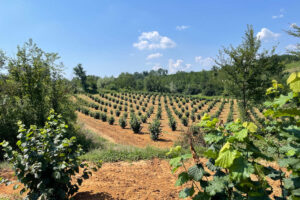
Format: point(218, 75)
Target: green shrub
point(97, 115)
point(120, 107)
point(144, 118)
point(193, 118)
point(172, 123)
point(125, 114)
point(111, 120)
point(103, 117)
point(135, 124)
point(185, 121)
point(117, 112)
point(122, 122)
point(155, 129)
point(187, 113)
point(46, 160)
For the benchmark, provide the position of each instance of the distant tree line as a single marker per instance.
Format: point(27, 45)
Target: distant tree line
point(208, 83)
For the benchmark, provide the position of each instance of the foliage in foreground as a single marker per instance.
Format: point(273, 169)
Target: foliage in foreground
point(233, 170)
point(46, 160)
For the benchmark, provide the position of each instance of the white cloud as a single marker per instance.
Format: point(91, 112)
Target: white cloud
point(178, 65)
point(154, 55)
point(277, 16)
point(182, 27)
point(281, 15)
point(152, 40)
point(291, 47)
point(266, 34)
point(205, 63)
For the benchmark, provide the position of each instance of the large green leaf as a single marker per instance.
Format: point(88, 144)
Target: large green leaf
point(186, 192)
point(196, 172)
point(240, 169)
point(183, 177)
point(217, 185)
point(210, 153)
point(295, 85)
point(294, 81)
point(226, 156)
point(212, 138)
point(241, 135)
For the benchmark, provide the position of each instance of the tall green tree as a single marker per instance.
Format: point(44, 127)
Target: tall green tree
point(247, 70)
point(81, 74)
point(32, 85)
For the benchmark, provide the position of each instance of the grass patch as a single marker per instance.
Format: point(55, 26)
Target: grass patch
point(292, 66)
point(5, 165)
point(104, 150)
point(117, 152)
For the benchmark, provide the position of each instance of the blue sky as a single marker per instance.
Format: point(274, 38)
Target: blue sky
point(113, 36)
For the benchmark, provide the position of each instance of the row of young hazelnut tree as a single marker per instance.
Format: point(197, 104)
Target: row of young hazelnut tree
point(108, 106)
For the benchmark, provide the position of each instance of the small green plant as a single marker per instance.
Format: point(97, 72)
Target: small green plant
point(155, 129)
point(185, 121)
point(117, 112)
point(97, 115)
point(144, 118)
point(172, 123)
point(103, 117)
point(122, 122)
point(135, 123)
point(45, 160)
point(111, 120)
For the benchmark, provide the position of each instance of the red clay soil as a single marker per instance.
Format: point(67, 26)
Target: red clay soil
point(150, 179)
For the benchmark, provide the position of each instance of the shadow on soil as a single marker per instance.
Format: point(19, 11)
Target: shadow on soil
point(91, 196)
point(164, 140)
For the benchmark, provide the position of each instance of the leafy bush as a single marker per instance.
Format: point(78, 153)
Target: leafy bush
point(135, 124)
point(46, 161)
point(139, 113)
point(172, 123)
point(111, 120)
point(185, 121)
point(125, 114)
point(103, 117)
point(122, 122)
point(193, 118)
point(117, 112)
point(144, 118)
point(187, 113)
point(155, 129)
